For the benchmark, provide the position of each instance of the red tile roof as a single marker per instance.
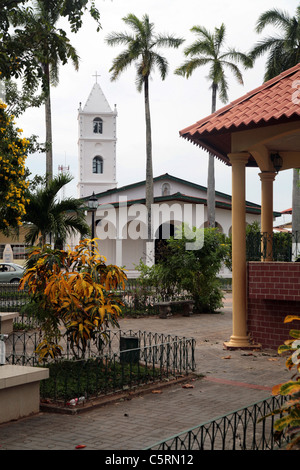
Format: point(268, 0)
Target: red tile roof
point(287, 211)
point(270, 103)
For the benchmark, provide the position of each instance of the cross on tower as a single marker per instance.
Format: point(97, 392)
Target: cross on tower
point(96, 75)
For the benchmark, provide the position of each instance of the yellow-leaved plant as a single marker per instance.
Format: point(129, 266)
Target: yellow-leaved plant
point(289, 421)
point(73, 292)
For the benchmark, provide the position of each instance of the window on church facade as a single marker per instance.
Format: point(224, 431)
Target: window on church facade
point(97, 126)
point(166, 189)
point(98, 164)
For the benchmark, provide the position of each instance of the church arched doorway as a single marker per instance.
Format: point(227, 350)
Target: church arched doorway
point(163, 233)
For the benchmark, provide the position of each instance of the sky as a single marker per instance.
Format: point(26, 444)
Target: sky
point(175, 103)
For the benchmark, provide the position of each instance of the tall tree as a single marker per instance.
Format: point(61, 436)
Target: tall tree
point(283, 52)
point(18, 100)
point(283, 49)
point(16, 59)
point(142, 49)
point(50, 47)
point(208, 50)
point(13, 179)
point(46, 216)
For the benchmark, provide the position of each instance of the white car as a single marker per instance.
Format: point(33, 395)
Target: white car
point(11, 272)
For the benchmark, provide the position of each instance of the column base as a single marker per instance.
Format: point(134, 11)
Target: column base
point(241, 342)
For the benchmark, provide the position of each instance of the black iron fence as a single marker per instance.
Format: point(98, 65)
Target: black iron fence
point(21, 346)
point(279, 246)
point(11, 298)
point(243, 429)
point(125, 359)
point(137, 298)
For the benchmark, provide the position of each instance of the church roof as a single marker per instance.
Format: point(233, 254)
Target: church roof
point(165, 176)
point(250, 206)
point(96, 102)
point(269, 104)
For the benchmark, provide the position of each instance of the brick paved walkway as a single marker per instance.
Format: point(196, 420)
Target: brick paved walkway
point(232, 380)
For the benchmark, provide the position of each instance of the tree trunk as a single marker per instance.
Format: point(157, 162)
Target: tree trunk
point(211, 173)
point(48, 120)
point(149, 170)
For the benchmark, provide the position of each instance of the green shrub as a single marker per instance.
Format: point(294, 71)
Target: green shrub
point(190, 273)
point(88, 378)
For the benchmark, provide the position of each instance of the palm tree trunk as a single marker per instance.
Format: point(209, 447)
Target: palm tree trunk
point(149, 170)
point(48, 120)
point(211, 173)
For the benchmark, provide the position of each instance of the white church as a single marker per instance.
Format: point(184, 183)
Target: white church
point(119, 217)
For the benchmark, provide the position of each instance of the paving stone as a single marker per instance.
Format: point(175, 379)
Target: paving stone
point(231, 380)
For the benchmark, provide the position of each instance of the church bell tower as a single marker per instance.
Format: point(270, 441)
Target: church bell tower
point(96, 144)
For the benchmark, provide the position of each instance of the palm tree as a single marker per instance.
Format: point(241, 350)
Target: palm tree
point(46, 216)
point(142, 50)
point(284, 49)
point(50, 47)
point(284, 52)
point(207, 50)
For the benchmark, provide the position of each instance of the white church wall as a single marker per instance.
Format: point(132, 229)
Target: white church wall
point(177, 187)
point(133, 251)
point(107, 249)
point(223, 217)
point(250, 218)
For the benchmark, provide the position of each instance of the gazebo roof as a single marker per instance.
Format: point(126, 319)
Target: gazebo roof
point(274, 102)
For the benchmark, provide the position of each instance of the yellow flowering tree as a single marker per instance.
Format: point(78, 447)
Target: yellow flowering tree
point(72, 291)
point(13, 182)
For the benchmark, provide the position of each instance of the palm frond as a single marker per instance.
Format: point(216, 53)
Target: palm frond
point(236, 56)
point(200, 47)
point(162, 65)
point(120, 64)
point(207, 50)
point(168, 41)
point(117, 39)
point(223, 89)
point(235, 71)
point(202, 32)
point(74, 224)
point(138, 26)
point(55, 185)
point(219, 38)
point(274, 17)
point(277, 61)
point(141, 49)
point(190, 66)
point(268, 44)
point(32, 235)
point(46, 215)
point(284, 48)
point(139, 82)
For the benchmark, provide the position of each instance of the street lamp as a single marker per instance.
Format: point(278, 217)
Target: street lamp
point(277, 161)
point(92, 205)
